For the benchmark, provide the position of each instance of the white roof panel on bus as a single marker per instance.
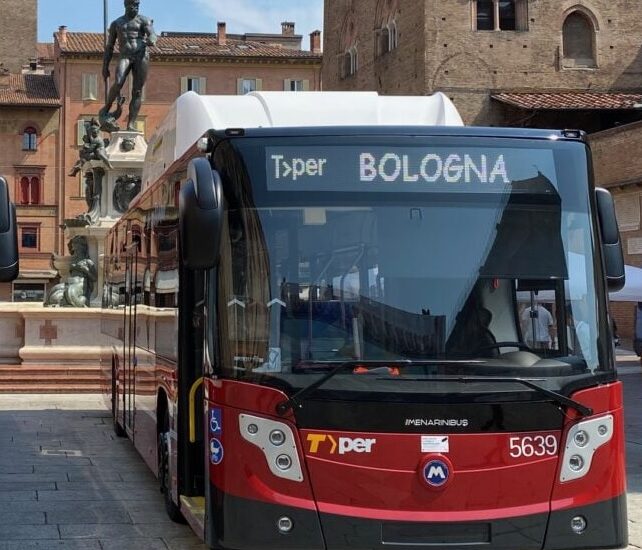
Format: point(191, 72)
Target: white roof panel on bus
point(193, 115)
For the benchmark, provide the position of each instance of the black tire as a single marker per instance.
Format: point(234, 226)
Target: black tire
point(118, 429)
point(164, 478)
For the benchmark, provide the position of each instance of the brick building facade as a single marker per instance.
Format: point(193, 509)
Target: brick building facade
point(477, 51)
point(617, 164)
point(29, 127)
point(44, 107)
point(207, 63)
point(18, 33)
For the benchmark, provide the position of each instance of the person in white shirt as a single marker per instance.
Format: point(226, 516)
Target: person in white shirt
point(537, 324)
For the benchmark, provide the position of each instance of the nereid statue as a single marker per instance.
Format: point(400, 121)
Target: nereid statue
point(134, 33)
point(93, 148)
point(76, 291)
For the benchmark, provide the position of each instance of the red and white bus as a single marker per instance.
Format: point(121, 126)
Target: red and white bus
point(347, 321)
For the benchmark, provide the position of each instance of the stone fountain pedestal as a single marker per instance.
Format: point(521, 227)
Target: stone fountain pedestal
point(126, 153)
point(71, 335)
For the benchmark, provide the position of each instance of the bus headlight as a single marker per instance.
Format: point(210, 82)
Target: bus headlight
point(277, 438)
point(583, 439)
point(576, 463)
point(276, 441)
point(283, 462)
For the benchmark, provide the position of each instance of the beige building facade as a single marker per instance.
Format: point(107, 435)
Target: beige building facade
point(508, 62)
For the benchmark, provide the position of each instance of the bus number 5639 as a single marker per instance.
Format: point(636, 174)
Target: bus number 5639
point(529, 446)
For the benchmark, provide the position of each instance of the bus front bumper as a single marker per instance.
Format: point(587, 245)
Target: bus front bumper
point(242, 524)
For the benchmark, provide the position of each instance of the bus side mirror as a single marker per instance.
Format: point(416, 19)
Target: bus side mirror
point(9, 266)
point(201, 215)
point(611, 243)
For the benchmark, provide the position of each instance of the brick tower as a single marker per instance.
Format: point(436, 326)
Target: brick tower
point(18, 33)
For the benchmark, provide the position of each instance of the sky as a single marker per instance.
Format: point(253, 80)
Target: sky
point(186, 15)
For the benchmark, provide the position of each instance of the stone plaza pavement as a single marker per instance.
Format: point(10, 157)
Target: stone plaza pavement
point(67, 482)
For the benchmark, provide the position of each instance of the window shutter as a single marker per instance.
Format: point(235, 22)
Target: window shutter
point(183, 84)
point(90, 87)
point(35, 190)
point(202, 85)
point(306, 85)
point(93, 86)
point(239, 86)
point(259, 84)
point(287, 85)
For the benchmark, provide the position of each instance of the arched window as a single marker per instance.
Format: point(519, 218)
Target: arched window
point(393, 35)
point(387, 38)
point(384, 40)
point(24, 190)
point(354, 60)
point(485, 15)
point(579, 41)
point(350, 62)
point(501, 15)
point(30, 139)
point(34, 190)
point(29, 190)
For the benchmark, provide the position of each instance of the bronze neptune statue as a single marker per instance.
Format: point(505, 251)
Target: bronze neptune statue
point(134, 33)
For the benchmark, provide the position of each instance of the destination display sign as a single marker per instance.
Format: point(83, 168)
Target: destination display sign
point(404, 169)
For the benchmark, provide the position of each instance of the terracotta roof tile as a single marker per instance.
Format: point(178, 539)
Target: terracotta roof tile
point(45, 50)
point(28, 90)
point(570, 100)
point(197, 45)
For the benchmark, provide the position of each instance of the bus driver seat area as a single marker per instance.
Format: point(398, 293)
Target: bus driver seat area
point(472, 335)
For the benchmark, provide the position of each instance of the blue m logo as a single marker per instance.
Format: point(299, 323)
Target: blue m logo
point(436, 473)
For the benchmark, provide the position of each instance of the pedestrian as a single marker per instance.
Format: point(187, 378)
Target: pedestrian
point(538, 324)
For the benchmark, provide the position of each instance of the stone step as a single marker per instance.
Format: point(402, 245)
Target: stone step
point(42, 373)
point(52, 379)
point(55, 388)
point(61, 379)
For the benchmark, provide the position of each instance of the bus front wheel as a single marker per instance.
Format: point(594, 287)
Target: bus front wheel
point(164, 474)
point(118, 429)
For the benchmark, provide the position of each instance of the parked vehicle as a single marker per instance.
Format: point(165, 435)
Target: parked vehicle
point(317, 314)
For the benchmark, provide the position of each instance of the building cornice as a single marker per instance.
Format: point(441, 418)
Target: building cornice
point(219, 60)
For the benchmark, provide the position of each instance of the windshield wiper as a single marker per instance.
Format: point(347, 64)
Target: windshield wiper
point(529, 383)
point(296, 399)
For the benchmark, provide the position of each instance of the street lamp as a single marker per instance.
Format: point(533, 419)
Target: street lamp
point(106, 25)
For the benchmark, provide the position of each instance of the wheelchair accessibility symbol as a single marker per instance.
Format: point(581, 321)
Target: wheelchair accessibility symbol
point(216, 424)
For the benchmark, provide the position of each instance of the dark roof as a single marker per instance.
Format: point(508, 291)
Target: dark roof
point(570, 100)
point(193, 45)
point(29, 90)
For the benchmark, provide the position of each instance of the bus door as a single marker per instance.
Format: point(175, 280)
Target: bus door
point(130, 359)
point(190, 362)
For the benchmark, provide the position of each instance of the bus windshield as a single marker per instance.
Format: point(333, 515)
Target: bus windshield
point(455, 251)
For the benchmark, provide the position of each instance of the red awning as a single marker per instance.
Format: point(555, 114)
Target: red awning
point(578, 101)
